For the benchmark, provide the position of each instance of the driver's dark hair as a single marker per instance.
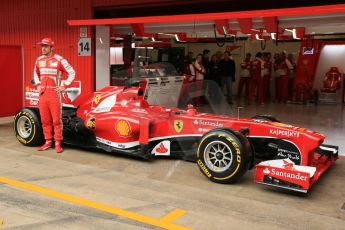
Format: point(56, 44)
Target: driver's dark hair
point(258, 54)
point(206, 51)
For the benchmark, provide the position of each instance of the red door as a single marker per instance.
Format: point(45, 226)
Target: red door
point(11, 80)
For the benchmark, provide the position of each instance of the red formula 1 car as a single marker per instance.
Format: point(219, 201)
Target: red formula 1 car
point(119, 119)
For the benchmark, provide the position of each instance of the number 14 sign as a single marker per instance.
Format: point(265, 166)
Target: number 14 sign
point(84, 47)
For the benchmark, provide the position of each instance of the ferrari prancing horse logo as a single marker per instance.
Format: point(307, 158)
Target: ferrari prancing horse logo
point(178, 125)
point(97, 98)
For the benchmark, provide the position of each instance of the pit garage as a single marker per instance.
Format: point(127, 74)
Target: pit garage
point(132, 60)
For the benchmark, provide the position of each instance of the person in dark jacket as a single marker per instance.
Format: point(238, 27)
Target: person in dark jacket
point(206, 63)
point(213, 84)
point(214, 70)
point(227, 72)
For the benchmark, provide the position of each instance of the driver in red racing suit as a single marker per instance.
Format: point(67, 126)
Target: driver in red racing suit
point(47, 73)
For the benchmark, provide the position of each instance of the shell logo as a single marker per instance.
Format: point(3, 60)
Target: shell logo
point(123, 128)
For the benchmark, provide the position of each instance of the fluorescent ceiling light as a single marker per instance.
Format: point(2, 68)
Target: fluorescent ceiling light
point(167, 34)
point(178, 39)
point(294, 34)
point(257, 37)
point(273, 36)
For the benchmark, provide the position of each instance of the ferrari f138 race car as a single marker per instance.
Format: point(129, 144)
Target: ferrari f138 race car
point(120, 119)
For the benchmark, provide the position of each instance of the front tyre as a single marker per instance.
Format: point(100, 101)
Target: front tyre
point(223, 155)
point(28, 127)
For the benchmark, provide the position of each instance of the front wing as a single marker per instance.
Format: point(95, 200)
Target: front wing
point(284, 173)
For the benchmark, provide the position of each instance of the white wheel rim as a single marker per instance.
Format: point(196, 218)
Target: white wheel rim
point(24, 127)
point(218, 156)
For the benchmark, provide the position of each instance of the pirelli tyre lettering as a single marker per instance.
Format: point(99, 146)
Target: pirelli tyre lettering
point(28, 128)
point(223, 155)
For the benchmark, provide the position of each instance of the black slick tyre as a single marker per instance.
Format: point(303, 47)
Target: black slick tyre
point(224, 155)
point(28, 128)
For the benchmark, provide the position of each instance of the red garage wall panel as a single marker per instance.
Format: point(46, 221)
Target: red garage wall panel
point(25, 23)
point(11, 78)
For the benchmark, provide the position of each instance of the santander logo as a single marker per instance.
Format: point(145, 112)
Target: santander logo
point(162, 149)
point(266, 171)
point(277, 172)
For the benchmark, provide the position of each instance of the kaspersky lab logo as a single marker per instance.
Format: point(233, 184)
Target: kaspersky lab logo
point(275, 172)
point(285, 133)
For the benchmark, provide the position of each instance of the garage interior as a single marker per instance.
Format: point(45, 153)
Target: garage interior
point(88, 189)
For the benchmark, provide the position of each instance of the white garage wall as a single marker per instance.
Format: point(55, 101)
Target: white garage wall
point(116, 56)
point(102, 57)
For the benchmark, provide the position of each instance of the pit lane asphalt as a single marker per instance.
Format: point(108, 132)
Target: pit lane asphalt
point(152, 189)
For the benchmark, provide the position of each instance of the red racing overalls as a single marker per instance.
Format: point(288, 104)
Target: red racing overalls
point(245, 78)
point(267, 79)
point(283, 81)
point(47, 74)
point(257, 67)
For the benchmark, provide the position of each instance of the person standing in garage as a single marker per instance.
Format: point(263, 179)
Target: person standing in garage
point(257, 73)
point(245, 77)
point(227, 69)
point(206, 63)
point(290, 58)
point(47, 77)
point(200, 72)
point(284, 68)
point(267, 76)
point(276, 75)
point(214, 70)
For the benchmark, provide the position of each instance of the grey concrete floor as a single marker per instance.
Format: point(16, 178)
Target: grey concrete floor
point(158, 187)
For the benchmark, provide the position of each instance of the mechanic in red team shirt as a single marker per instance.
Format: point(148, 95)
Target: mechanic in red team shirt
point(257, 73)
point(47, 77)
point(284, 69)
point(245, 76)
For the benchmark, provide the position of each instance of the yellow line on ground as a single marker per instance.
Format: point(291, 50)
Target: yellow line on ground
point(99, 206)
point(1, 222)
point(172, 216)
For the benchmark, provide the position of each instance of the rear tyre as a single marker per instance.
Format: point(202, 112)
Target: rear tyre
point(28, 127)
point(224, 155)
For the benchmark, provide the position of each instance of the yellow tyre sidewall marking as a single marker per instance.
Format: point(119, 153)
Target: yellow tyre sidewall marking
point(238, 156)
point(33, 127)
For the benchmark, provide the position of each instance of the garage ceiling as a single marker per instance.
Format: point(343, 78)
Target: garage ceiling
point(131, 8)
point(241, 19)
point(313, 24)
